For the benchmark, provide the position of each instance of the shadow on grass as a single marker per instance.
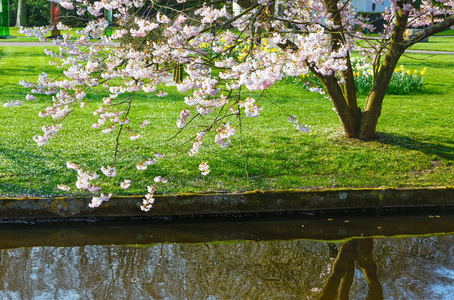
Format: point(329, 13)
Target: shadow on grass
point(430, 89)
point(25, 160)
point(21, 71)
point(433, 89)
point(29, 166)
point(442, 151)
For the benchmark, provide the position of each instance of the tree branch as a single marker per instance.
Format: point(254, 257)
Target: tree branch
point(428, 31)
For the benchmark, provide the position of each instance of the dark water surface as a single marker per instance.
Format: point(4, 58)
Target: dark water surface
point(297, 257)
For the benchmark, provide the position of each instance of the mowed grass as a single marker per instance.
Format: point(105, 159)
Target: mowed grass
point(415, 146)
point(436, 43)
point(446, 32)
point(19, 37)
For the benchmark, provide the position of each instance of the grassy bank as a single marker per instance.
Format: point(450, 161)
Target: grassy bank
point(416, 145)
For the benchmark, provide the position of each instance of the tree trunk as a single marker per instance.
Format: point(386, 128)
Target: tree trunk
point(349, 121)
point(21, 13)
point(374, 103)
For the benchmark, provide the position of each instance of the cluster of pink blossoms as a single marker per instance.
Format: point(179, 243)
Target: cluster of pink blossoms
point(204, 168)
point(197, 144)
point(49, 131)
point(225, 131)
point(84, 179)
point(251, 108)
point(147, 203)
point(97, 201)
point(12, 103)
point(142, 166)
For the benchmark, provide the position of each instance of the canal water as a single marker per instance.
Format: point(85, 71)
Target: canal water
point(386, 256)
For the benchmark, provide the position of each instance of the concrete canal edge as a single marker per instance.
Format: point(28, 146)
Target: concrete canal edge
point(185, 205)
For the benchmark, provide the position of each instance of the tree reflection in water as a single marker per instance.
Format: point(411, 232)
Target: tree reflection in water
point(340, 281)
point(54, 265)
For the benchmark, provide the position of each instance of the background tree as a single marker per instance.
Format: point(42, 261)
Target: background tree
point(29, 13)
point(37, 13)
point(21, 13)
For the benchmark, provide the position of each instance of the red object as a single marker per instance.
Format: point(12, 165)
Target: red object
point(55, 17)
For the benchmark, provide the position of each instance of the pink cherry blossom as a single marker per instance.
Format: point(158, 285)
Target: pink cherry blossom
point(204, 168)
point(63, 187)
point(30, 97)
point(109, 171)
point(97, 201)
point(125, 184)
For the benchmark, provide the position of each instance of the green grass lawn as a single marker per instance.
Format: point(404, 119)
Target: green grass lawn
point(416, 145)
point(19, 37)
point(436, 43)
point(446, 32)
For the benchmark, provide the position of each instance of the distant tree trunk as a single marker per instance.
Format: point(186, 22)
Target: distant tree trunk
point(21, 13)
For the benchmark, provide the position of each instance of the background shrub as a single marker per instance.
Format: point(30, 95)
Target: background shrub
point(404, 81)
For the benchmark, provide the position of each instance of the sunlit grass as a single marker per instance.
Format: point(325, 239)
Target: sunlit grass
point(446, 32)
point(435, 43)
point(415, 148)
